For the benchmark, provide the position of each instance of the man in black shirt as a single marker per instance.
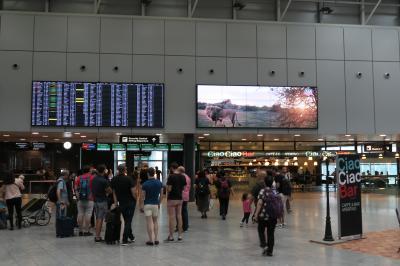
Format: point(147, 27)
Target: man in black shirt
point(100, 189)
point(124, 193)
point(175, 185)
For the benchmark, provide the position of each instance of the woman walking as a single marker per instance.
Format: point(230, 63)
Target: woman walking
point(12, 195)
point(202, 188)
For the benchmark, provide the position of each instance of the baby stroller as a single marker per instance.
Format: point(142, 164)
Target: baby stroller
point(35, 212)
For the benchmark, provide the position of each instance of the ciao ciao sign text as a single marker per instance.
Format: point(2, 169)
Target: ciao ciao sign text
point(348, 177)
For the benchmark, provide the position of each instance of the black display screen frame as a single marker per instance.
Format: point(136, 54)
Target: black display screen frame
point(241, 128)
point(104, 82)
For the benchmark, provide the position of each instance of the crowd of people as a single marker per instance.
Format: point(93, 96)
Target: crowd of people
point(95, 196)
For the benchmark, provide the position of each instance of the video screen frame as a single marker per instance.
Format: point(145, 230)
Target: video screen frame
point(198, 125)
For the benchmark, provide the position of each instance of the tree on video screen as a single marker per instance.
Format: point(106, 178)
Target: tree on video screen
point(299, 106)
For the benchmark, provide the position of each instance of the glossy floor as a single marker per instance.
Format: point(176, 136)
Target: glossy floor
point(211, 241)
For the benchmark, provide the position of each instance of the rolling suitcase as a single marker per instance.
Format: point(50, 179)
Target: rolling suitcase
point(113, 226)
point(64, 225)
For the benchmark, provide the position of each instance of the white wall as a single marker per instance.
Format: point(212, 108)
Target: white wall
point(53, 47)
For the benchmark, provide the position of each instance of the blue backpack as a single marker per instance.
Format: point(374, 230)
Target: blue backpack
point(84, 187)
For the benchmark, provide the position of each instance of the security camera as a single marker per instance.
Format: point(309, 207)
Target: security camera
point(301, 73)
point(272, 72)
point(359, 74)
point(387, 75)
point(116, 68)
point(211, 71)
point(180, 70)
point(15, 66)
point(83, 68)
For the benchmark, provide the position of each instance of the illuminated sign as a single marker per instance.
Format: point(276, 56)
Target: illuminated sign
point(236, 154)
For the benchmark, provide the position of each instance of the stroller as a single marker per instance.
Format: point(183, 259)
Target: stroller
point(35, 212)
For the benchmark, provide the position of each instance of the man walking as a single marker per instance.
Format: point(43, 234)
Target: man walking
point(269, 209)
point(125, 194)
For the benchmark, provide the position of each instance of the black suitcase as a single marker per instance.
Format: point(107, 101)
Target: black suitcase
point(113, 226)
point(64, 225)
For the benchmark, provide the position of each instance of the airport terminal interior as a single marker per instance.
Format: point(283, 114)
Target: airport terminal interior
point(123, 118)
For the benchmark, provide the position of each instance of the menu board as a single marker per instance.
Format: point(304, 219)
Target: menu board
point(103, 147)
point(118, 147)
point(132, 147)
point(162, 147)
point(176, 147)
point(88, 146)
point(97, 104)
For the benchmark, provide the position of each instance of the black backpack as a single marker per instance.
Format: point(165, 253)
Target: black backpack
point(203, 189)
point(52, 193)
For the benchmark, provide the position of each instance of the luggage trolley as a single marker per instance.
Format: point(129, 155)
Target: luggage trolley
point(36, 212)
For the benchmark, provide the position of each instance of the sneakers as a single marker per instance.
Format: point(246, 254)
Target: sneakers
point(125, 243)
point(266, 252)
point(241, 224)
point(132, 238)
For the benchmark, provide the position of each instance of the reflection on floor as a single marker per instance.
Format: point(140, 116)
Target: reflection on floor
point(385, 243)
point(211, 241)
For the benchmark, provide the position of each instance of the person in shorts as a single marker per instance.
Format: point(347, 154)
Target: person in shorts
point(83, 187)
point(175, 185)
point(150, 203)
point(100, 189)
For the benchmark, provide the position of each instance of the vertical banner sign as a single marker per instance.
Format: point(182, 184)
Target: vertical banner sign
point(349, 194)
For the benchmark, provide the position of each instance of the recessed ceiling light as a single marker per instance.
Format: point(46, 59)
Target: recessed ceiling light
point(244, 139)
point(6, 135)
point(56, 139)
point(320, 139)
point(351, 139)
point(206, 134)
point(297, 135)
point(22, 139)
point(387, 139)
point(35, 133)
point(382, 135)
point(118, 133)
point(276, 139)
point(90, 140)
point(260, 135)
point(201, 137)
point(67, 134)
point(83, 136)
point(45, 136)
point(347, 135)
point(158, 134)
point(77, 133)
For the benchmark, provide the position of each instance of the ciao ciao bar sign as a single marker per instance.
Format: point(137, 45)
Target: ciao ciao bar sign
point(349, 194)
point(238, 154)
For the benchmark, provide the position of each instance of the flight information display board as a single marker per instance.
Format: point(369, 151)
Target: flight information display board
point(97, 104)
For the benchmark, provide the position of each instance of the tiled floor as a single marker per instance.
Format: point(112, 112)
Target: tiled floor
point(384, 243)
point(209, 242)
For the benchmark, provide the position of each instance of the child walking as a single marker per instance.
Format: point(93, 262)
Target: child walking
point(246, 201)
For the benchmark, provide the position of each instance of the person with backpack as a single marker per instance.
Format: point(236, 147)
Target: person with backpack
point(257, 187)
point(83, 188)
point(202, 189)
point(13, 197)
point(224, 190)
point(269, 209)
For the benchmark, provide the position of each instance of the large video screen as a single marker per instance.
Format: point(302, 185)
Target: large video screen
point(257, 107)
point(97, 104)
